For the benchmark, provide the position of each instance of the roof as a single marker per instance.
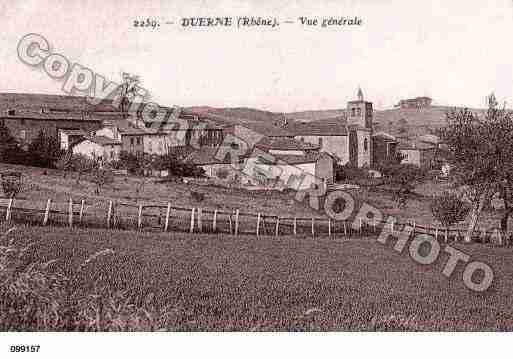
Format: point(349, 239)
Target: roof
point(103, 141)
point(384, 136)
point(335, 126)
point(284, 143)
point(207, 156)
point(73, 132)
point(416, 145)
point(55, 116)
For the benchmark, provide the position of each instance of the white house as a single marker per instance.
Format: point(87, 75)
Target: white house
point(100, 148)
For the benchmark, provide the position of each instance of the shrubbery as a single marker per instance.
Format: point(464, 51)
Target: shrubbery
point(448, 208)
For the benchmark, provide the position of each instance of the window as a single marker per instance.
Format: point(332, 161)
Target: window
point(358, 111)
point(11, 112)
point(365, 145)
point(320, 141)
point(23, 134)
point(353, 111)
point(131, 142)
point(139, 140)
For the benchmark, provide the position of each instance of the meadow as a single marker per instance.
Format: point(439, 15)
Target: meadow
point(121, 280)
point(41, 184)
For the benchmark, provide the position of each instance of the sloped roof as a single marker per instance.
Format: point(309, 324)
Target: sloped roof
point(207, 156)
point(284, 143)
point(416, 145)
point(73, 132)
point(102, 140)
point(335, 126)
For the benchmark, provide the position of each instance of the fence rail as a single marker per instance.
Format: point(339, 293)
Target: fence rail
point(168, 218)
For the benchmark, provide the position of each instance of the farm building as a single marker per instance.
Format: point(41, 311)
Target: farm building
point(26, 126)
point(418, 153)
point(384, 147)
point(100, 148)
point(67, 138)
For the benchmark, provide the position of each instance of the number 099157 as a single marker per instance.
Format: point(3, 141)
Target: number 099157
point(24, 348)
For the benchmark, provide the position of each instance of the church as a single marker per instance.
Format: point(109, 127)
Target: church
point(348, 138)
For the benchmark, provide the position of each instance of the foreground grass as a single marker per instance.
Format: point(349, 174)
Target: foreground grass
point(221, 282)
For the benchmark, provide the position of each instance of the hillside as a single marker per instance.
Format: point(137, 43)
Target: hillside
point(35, 101)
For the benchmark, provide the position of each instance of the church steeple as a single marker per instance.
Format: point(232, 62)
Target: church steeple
point(360, 94)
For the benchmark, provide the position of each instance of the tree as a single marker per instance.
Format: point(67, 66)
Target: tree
point(128, 89)
point(102, 177)
point(479, 151)
point(448, 208)
point(10, 150)
point(45, 150)
point(12, 183)
point(403, 178)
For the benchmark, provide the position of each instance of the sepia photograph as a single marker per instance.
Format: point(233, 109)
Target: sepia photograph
point(202, 177)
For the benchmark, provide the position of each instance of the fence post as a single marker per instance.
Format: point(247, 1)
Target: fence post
point(329, 227)
point(345, 229)
point(230, 220)
point(436, 233)
point(47, 211)
point(9, 209)
point(373, 224)
point(191, 230)
point(70, 212)
point(483, 235)
point(109, 215)
point(313, 227)
point(237, 222)
point(446, 235)
point(360, 226)
point(258, 225)
point(168, 213)
point(139, 217)
point(81, 213)
point(200, 222)
point(214, 221)
point(295, 226)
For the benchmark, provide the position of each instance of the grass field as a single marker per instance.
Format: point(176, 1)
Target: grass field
point(210, 282)
point(54, 185)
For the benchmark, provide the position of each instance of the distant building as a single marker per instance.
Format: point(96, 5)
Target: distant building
point(417, 102)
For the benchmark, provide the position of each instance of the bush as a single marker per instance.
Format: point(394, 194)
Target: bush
point(45, 150)
point(12, 183)
point(448, 208)
point(350, 173)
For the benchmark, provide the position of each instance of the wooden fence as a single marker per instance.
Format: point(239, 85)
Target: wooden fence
point(168, 218)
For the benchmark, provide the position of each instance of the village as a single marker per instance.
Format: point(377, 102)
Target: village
point(315, 147)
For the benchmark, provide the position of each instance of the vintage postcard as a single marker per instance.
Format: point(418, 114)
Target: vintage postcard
point(253, 166)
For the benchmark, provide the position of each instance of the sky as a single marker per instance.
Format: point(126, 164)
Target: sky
point(456, 52)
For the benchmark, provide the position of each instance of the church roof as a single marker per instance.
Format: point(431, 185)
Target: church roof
point(284, 143)
point(335, 126)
